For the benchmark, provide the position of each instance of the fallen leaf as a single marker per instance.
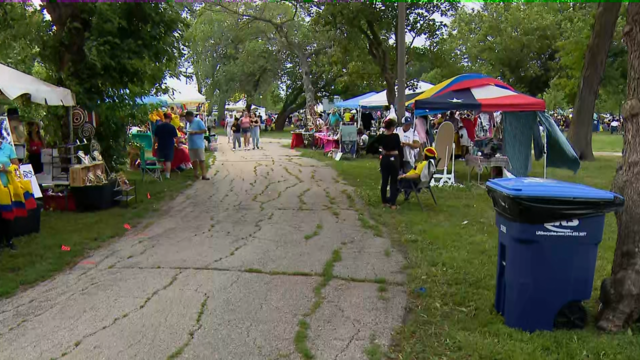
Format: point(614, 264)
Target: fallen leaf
point(127, 226)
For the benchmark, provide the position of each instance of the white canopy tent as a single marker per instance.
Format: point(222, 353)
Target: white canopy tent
point(184, 93)
point(380, 99)
point(14, 83)
point(242, 104)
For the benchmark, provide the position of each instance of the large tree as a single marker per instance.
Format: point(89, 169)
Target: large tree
point(592, 74)
point(621, 292)
point(231, 55)
point(512, 41)
point(110, 54)
point(22, 33)
point(289, 24)
point(576, 29)
point(375, 24)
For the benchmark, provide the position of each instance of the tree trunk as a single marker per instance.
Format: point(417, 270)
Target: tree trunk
point(390, 84)
point(309, 91)
point(292, 102)
point(621, 292)
point(281, 119)
point(222, 105)
point(248, 106)
point(592, 73)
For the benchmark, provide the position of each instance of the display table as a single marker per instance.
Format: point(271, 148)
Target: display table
point(327, 142)
point(479, 163)
point(95, 197)
point(297, 140)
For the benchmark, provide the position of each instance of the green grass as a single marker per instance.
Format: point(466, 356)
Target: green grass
point(457, 265)
point(605, 142)
point(39, 256)
point(285, 134)
point(300, 340)
point(315, 233)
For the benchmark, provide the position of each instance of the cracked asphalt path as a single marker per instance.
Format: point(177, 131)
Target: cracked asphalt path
point(224, 273)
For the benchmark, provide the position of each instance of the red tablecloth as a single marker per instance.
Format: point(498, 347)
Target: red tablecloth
point(180, 156)
point(296, 140)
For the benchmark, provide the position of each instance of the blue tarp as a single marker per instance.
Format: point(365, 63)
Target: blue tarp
point(354, 102)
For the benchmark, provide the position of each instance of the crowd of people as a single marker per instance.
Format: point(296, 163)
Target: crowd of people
point(180, 137)
point(606, 122)
point(244, 127)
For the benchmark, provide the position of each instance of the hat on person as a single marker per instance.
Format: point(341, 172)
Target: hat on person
point(353, 111)
point(168, 115)
point(407, 120)
point(430, 153)
point(392, 117)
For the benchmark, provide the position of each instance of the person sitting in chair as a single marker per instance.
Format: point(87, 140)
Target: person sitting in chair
point(412, 179)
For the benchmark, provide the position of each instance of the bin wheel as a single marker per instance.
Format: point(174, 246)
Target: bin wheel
point(571, 316)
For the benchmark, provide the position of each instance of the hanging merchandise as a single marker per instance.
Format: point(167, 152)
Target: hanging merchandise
point(87, 131)
point(78, 117)
point(95, 146)
point(17, 197)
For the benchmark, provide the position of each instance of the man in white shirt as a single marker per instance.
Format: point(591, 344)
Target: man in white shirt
point(614, 126)
point(410, 143)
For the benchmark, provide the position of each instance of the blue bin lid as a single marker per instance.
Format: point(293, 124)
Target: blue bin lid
point(548, 188)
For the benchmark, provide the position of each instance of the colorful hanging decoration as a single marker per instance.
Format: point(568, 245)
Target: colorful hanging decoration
point(78, 117)
point(87, 131)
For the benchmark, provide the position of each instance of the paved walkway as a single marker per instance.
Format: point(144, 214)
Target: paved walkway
point(224, 273)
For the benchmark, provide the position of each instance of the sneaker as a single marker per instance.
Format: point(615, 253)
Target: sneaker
point(206, 178)
point(234, 149)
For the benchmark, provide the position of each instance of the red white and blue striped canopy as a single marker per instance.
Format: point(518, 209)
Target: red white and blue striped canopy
point(475, 92)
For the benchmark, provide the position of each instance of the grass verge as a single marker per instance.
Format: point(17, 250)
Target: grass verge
point(456, 263)
point(39, 256)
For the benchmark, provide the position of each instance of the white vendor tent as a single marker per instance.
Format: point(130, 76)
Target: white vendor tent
point(14, 83)
point(242, 104)
point(380, 99)
point(184, 93)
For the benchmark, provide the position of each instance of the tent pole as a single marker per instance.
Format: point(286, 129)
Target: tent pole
point(545, 154)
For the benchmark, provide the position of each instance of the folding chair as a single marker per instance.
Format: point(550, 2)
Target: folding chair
point(425, 183)
point(349, 139)
point(445, 146)
point(154, 170)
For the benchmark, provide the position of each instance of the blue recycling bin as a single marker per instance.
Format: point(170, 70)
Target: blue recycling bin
point(548, 233)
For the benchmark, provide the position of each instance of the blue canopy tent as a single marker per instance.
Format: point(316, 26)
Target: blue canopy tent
point(152, 100)
point(353, 102)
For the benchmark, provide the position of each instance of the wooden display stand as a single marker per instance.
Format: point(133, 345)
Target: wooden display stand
point(78, 174)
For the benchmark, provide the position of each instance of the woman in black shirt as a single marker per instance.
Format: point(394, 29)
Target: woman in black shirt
point(390, 162)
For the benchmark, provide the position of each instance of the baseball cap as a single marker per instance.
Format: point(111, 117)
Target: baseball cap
point(407, 120)
point(430, 152)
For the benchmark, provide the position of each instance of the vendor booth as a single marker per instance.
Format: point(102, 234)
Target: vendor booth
point(17, 198)
point(73, 174)
point(379, 100)
point(518, 117)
